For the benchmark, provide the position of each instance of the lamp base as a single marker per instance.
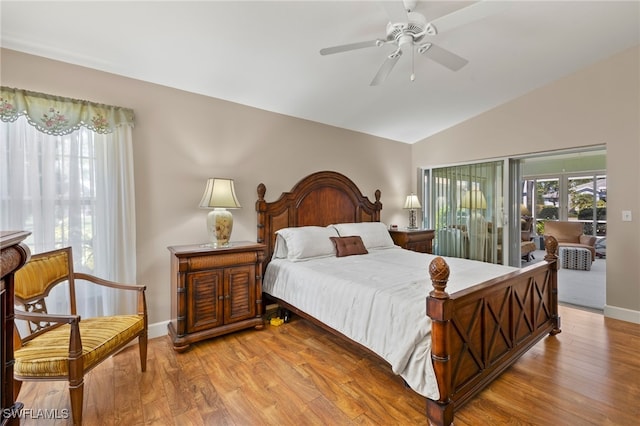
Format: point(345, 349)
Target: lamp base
point(219, 226)
point(412, 219)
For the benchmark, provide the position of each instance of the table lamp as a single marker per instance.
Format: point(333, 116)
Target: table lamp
point(219, 195)
point(412, 204)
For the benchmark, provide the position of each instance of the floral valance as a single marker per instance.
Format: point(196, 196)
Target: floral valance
point(55, 115)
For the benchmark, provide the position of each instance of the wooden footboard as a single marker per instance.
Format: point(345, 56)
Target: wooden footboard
point(478, 332)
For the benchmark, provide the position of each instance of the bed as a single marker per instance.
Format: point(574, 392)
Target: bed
point(466, 333)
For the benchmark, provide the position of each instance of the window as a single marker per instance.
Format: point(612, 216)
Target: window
point(575, 197)
point(70, 184)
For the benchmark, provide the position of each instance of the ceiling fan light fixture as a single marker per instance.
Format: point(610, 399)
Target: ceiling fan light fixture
point(405, 41)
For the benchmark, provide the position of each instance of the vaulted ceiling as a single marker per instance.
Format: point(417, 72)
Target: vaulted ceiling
point(265, 54)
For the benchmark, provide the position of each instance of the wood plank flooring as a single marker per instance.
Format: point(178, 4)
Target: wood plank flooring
point(298, 374)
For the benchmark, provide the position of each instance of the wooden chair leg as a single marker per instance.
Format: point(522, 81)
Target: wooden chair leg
point(76, 395)
point(142, 346)
point(17, 384)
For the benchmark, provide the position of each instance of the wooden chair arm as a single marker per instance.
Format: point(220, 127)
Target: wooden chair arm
point(142, 302)
point(107, 283)
point(39, 317)
point(60, 319)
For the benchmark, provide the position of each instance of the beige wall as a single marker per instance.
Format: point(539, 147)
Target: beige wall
point(598, 105)
point(181, 139)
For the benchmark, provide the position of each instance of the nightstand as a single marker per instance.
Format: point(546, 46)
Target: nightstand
point(420, 240)
point(214, 291)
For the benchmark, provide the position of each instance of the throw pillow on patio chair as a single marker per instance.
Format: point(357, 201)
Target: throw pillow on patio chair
point(66, 347)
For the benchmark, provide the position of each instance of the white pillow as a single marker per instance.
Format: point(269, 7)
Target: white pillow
point(280, 248)
point(373, 234)
point(306, 242)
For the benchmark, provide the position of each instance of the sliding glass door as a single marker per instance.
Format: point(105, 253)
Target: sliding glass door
point(466, 208)
point(478, 210)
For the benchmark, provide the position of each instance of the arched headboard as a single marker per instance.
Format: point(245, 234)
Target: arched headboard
point(320, 199)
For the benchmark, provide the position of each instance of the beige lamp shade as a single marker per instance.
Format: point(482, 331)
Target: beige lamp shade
point(412, 202)
point(473, 199)
point(219, 195)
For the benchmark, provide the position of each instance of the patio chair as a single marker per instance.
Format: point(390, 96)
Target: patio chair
point(571, 235)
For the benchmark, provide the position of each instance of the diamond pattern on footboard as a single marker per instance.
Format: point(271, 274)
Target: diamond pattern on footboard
point(485, 331)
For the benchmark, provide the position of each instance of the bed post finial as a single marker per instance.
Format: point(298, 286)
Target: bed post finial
point(439, 271)
point(261, 207)
point(378, 206)
point(261, 191)
point(551, 247)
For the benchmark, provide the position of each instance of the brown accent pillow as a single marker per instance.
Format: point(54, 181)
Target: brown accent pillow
point(347, 246)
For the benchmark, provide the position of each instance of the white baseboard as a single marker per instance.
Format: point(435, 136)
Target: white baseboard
point(622, 314)
point(157, 329)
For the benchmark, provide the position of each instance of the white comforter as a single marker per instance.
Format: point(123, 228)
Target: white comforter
point(377, 300)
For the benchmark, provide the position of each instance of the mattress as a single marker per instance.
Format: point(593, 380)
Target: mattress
point(377, 300)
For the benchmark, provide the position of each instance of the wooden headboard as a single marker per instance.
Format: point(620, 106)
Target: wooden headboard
point(322, 198)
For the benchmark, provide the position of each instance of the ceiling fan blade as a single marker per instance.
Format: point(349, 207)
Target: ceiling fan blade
point(395, 10)
point(442, 56)
point(386, 68)
point(466, 15)
point(350, 46)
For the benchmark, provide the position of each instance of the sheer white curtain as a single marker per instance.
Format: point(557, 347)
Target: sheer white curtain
point(71, 187)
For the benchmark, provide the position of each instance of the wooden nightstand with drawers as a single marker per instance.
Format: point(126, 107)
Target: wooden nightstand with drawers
point(214, 291)
point(420, 240)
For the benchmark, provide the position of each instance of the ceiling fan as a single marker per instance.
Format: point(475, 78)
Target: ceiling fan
point(408, 31)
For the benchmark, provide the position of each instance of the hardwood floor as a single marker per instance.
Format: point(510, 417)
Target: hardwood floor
point(298, 374)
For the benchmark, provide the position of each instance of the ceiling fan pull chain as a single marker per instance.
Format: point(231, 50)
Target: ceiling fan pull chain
point(413, 74)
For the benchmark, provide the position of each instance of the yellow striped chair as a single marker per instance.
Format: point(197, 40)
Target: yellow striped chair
point(63, 347)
